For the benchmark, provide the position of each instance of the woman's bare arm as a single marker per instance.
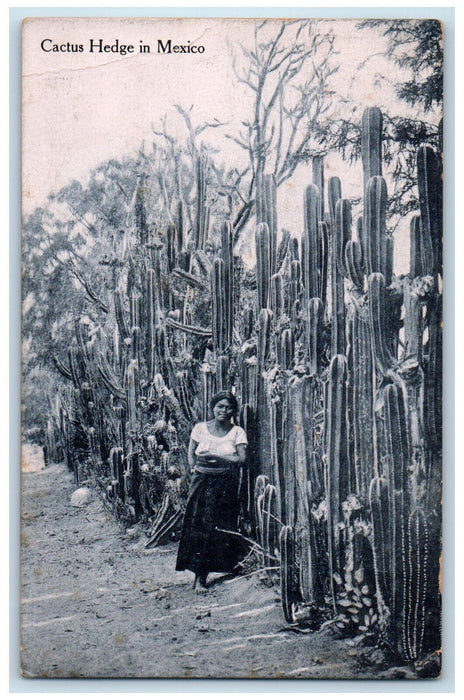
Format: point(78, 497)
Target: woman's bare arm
point(191, 453)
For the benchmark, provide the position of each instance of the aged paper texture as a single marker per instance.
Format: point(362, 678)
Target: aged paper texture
point(232, 348)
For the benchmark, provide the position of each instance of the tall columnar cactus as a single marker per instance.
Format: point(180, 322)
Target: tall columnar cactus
point(248, 322)
point(396, 473)
point(219, 303)
point(140, 213)
point(276, 296)
point(132, 389)
point(263, 398)
point(179, 224)
point(318, 180)
point(338, 289)
point(276, 439)
point(371, 143)
point(249, 374)
point(264, 336)
point(208, 388)
point(375, 211)
point(135, 343)
point(310, 247)
point(353, 264)
point(135, 309)
point(342, 232)
point(295, 285)
point(323, 255)
point(334, 193)
point(415, 248)
point(258, 497)
point(285, 348)
point(151, 322)
point(270, 525)
point(305, 550)
point(362, 401)
point(313, 330)
point(248, 423)
point(338, 483)
point(416, 584)
point(287, 572)
point(121, 316)
point(300, 427)
point(222, 373)
point(263, 263)
point(382, 528)
point(227, 255)
point(117, 469)
point(294, 249)
point(414, 298)
point(429, 184)
point(201, 208)
point(266, 213)
point(172, 252)
point(378, 323)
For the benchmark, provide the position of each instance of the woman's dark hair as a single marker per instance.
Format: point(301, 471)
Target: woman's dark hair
point(224, 395)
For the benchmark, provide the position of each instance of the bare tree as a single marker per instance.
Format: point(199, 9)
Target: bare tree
point(287, 71)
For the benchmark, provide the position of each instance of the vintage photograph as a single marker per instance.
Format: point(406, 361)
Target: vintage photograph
point(231, 459)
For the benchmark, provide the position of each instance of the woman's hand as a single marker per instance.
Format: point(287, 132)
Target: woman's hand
point(207, 458)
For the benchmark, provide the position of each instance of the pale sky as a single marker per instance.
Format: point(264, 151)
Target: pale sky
point(80, 109)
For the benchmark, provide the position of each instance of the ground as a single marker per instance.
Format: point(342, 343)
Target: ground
point(95, 603)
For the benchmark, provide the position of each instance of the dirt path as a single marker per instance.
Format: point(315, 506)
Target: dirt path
point(95, 603)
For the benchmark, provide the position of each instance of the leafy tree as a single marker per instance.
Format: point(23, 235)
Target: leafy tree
point(65, 246)
point(416, 47)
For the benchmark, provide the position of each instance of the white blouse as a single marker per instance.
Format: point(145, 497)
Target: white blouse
point(225, 445)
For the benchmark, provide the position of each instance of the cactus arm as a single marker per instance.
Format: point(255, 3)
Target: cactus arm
point(342, 233)
point(353, 263)
point(385, 363)
point(371, 143)
point(334, 193)
point(375, 211)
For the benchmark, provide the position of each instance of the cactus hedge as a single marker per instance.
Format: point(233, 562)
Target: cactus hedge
point(336, 361)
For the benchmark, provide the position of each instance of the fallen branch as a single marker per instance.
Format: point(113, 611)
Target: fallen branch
point(191, 279)
point(204, 332)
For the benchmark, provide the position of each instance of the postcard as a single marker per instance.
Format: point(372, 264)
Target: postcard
point(231, 348)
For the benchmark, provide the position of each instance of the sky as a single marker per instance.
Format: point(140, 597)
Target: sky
point(82, 108)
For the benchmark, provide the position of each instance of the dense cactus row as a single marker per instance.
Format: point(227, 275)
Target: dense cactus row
point(359, 396)
point(337, 364)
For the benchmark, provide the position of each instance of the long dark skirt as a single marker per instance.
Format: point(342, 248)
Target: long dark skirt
point(212, 503)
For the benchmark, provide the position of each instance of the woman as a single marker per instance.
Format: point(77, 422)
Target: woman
point(216, 451)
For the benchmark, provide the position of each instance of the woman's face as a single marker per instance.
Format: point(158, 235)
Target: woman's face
point(223, 410)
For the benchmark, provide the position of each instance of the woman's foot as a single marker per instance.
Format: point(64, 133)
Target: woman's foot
point(200, 585)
